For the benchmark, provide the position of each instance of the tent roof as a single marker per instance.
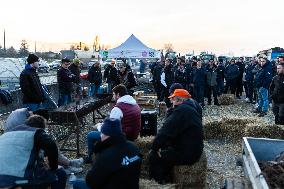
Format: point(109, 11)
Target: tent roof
point(132, 48)
point(132, 43)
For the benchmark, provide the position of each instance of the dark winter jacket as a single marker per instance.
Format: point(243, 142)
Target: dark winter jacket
point(263, 77)
point(95, 75)
point(232, 71)
point(20, 157)
point(241, 66)
point(249, 72)
point(181, 77)
point(277, 89)
point(117, 165)
point(169, 75)
point(199, 77)
point(111, 75)
point(211, 76)
point(183, 132)
point(157, 71)
point(31, 86)
point(220, 73)
point(65, 81)
point(127, 78)
point(75, 70)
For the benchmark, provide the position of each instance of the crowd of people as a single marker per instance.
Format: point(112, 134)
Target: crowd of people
point(251, 79)
point(30, 158)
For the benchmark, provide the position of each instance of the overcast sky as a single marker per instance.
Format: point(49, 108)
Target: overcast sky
point(241, 27)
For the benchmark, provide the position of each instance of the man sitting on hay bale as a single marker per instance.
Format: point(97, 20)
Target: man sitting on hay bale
point(126, 110)
point(180, 140)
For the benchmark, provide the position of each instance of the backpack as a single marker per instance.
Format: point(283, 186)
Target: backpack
point(5, 97)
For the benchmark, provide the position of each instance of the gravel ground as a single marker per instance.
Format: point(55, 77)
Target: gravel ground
point(221, 153)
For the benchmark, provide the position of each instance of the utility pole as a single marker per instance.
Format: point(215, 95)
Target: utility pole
point(35, 47)
point(4, 41)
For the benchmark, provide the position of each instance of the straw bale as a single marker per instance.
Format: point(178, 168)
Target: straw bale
point(151, 184)
point(264, 130)
point(193, 176)
point(227, 99)
point(144, 144)
point(232, 127)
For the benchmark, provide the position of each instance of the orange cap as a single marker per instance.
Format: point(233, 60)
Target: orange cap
point(181, 93)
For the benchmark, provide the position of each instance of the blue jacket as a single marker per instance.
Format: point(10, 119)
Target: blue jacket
point(232, 71)
point(263, 77)
point(249, 73)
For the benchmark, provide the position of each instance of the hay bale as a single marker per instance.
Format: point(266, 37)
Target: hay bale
point(231, 127)
point(264, 130)
point(144, 144)
point(193, 176)
point(227, 99)
point(150, 184)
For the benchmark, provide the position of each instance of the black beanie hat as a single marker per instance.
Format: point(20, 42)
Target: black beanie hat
point(65, 60)
point(111, 127)
point(32, 58)
point(174, 87)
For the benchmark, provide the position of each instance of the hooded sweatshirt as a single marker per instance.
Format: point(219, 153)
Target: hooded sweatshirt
point(17, 117)
point(128, 111)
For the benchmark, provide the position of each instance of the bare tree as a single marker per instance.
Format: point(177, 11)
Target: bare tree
point(169, 47)
point(24, 49)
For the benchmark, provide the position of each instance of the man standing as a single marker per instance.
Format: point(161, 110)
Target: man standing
point(199, 82)
point(118, 161)
point(277, 95)
point(95, 78)
point(167, 79)
point(249, 77)
point(111, 76)
point(157, 71)
point(181, 74)
point(33, 94)
point(239, 83)
point(76, 70)
point(126, 77)
point(65, 81)
point(232, 72)
point(220, 77)
point(126, 110)
point(180, 140)
point(262, 82)
point(211, 76)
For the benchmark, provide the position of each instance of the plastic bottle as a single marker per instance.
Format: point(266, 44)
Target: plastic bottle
point(72, 179)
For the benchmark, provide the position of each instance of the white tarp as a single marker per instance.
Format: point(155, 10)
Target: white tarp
point(11, 68)
point(131, 48)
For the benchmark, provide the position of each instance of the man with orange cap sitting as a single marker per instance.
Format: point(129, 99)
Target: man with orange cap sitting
point(180, 140)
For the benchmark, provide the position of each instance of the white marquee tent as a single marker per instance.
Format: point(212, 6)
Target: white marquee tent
point(131, 48)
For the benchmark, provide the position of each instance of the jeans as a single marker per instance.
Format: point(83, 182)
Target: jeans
point(214, 90)
point(249, 90)
point(93, 89)
point(80, 184)
point(262, 99)
point(64, 99)
point(92, 137)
